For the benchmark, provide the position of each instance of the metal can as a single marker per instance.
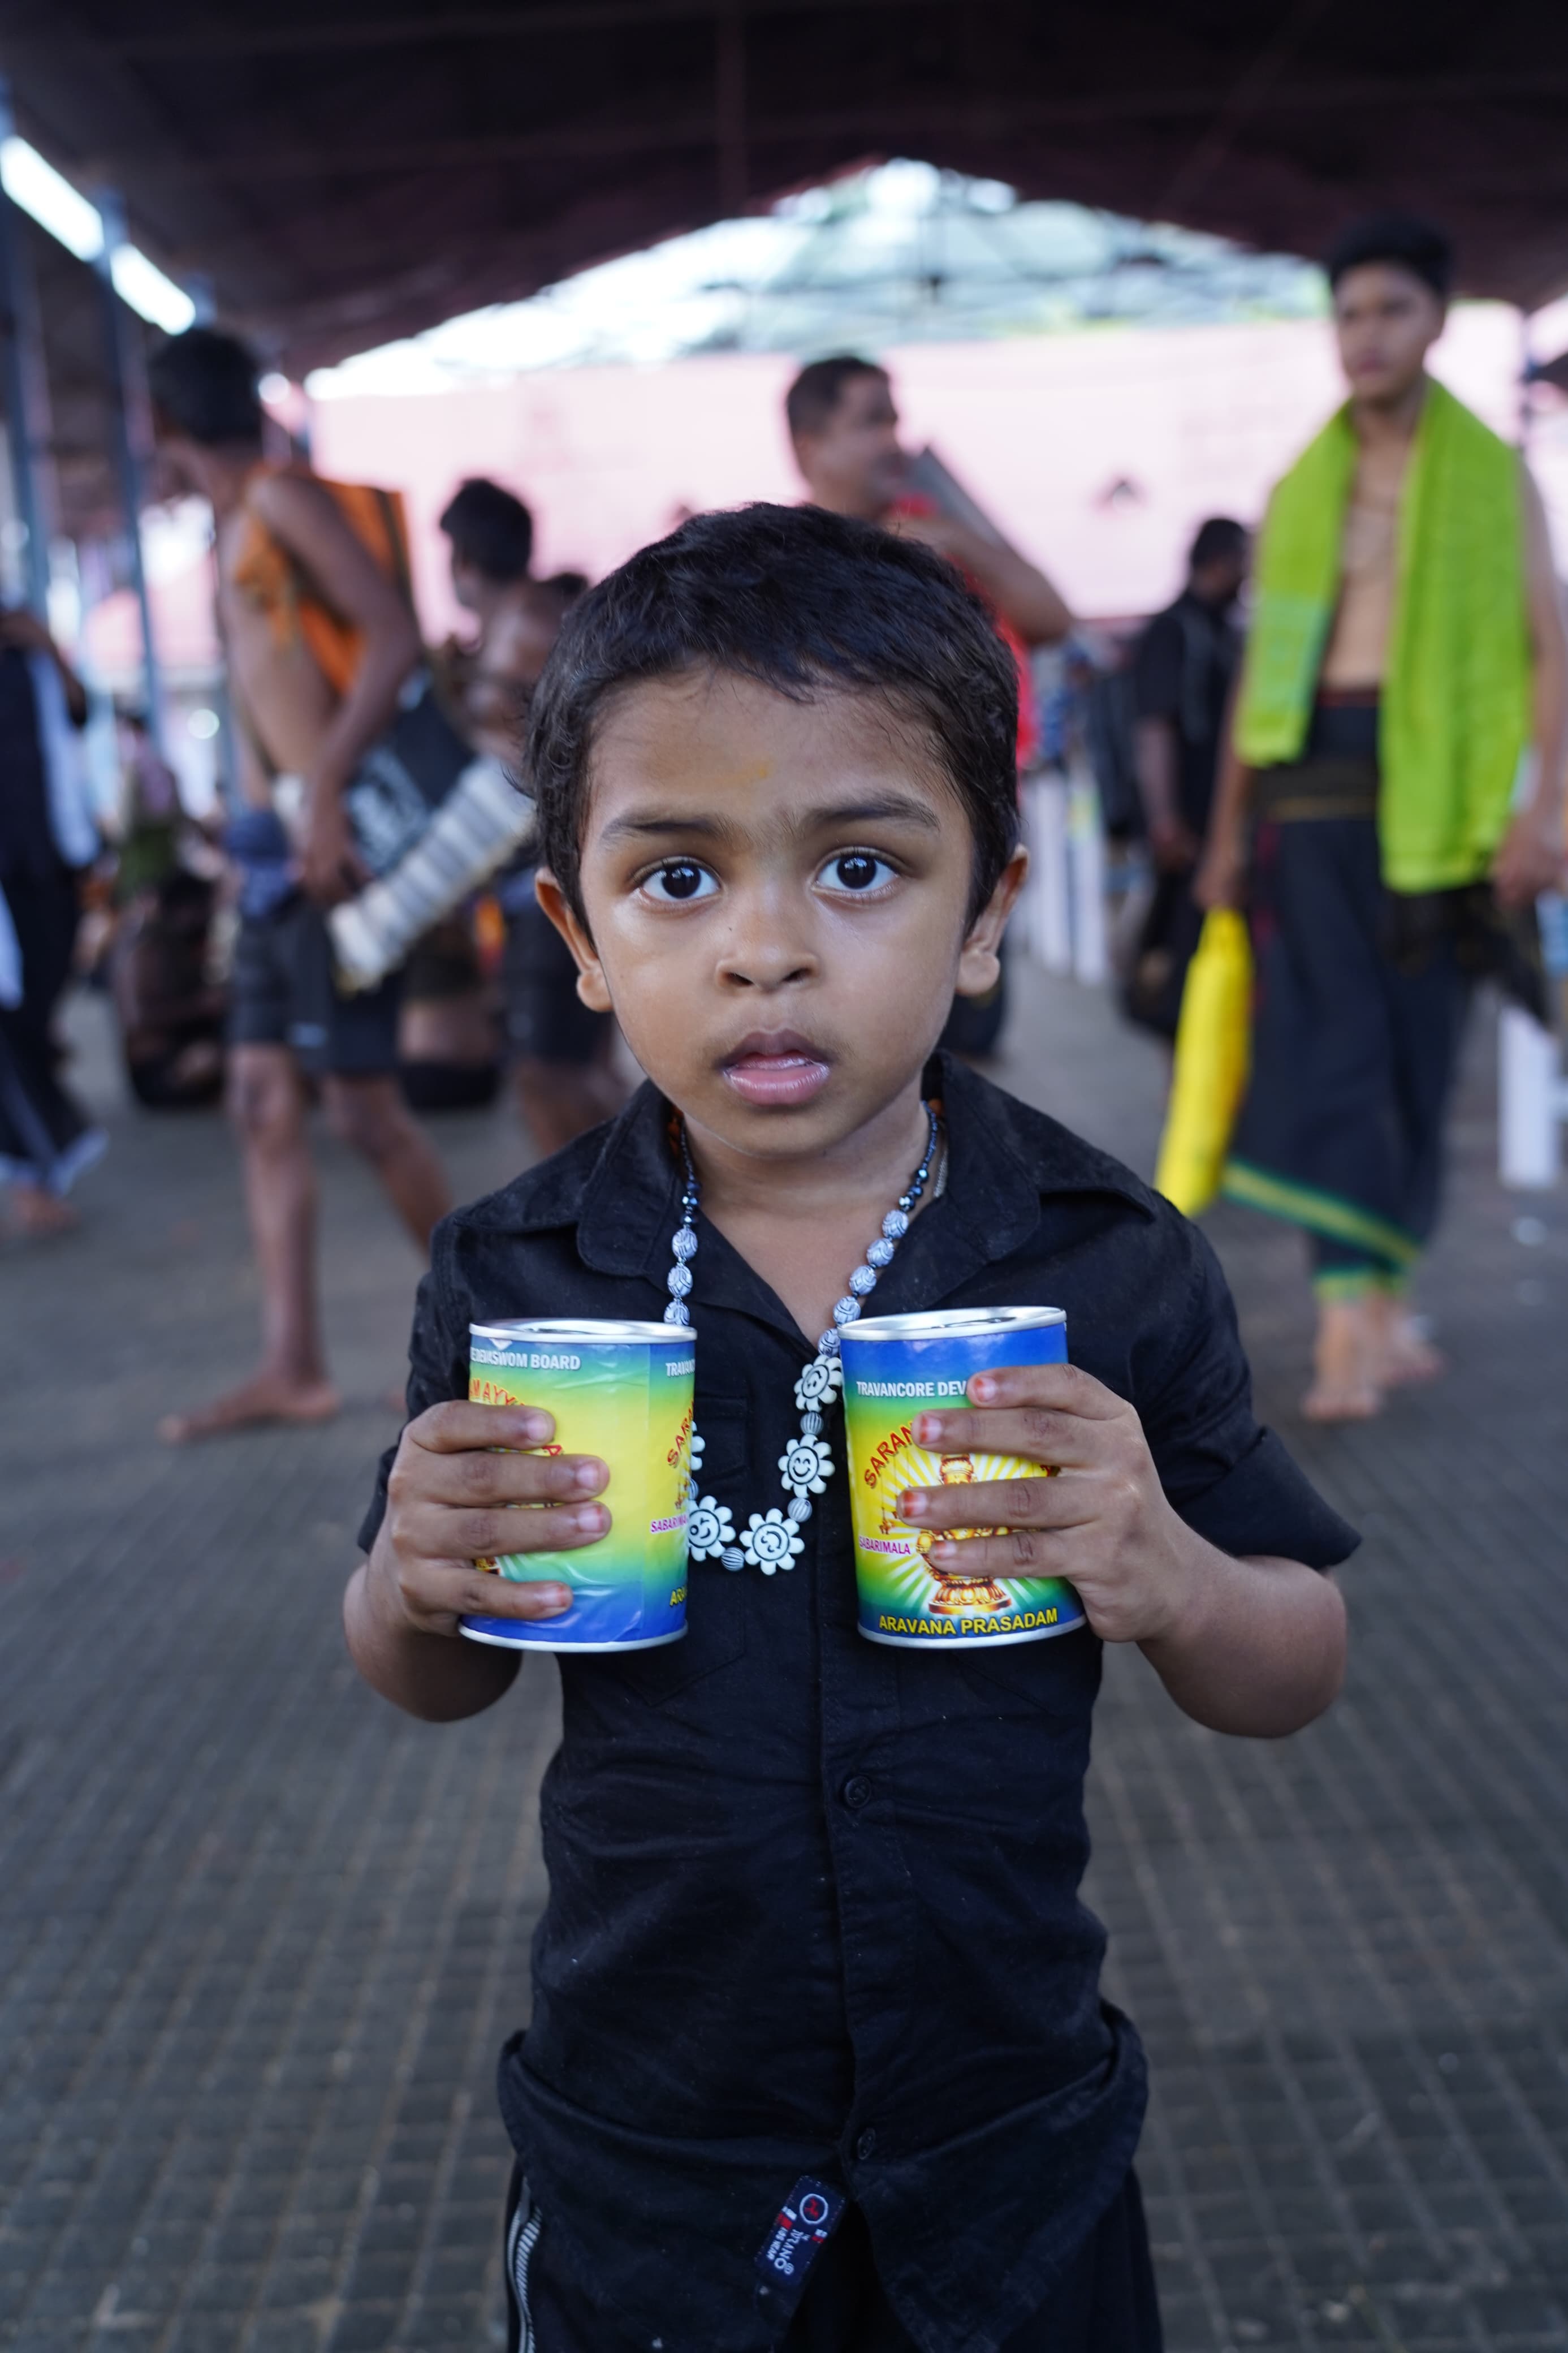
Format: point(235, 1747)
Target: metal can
point(896, 1366)
point(622, 1391)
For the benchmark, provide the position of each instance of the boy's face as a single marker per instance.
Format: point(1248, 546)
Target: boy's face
point(777, 898)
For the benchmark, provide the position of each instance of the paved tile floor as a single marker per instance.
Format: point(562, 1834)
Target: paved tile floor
point(259, 1938)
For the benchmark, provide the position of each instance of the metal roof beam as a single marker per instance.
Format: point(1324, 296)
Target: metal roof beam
point(939, 120)
point(211, 38)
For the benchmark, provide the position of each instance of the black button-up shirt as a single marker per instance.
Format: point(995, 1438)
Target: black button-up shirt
point(814, 1902)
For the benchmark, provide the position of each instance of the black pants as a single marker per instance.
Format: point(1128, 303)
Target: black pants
point(1107, 2303)
point(41, 1129)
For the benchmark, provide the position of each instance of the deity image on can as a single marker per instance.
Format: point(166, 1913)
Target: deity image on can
point(896, 1367)
point(622, 1391)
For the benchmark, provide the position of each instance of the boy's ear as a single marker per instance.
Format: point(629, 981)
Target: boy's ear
point(591, 986)
point(980, 958)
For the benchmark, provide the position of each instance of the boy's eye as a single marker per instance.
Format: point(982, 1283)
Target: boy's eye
point(856, 869)
point(680, 880)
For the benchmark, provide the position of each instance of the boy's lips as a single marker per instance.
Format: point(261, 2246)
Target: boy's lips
point(775, 1072)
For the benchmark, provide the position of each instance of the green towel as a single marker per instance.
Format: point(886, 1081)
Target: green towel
point(1456, 708)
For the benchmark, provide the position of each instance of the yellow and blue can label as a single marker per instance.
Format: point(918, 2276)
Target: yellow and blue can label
point(622, 1391)
point(896, 1367)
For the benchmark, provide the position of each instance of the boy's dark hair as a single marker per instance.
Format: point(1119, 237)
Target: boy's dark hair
point(490, 530)
point(804, 602)
point(1218, 535)
point(818, 389)
point(203, 383)
point(1414, 244)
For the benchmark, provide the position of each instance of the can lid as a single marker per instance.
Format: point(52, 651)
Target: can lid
point(587, 1330)
point(951, 1322)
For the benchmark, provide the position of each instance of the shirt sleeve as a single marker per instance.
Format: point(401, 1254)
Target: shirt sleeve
point(1229, 1478)
point(1157, 669)
point(438, 1365)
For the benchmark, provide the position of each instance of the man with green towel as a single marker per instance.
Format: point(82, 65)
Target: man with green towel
point(1397, 757)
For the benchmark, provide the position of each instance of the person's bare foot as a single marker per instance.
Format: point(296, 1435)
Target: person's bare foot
point(1406, 1355)
point(38, 1215)
point(268, 1396)
point(1345, 1384)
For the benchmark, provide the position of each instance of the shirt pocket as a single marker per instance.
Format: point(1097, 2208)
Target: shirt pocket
point(1058, 1678)
point(716, 1596)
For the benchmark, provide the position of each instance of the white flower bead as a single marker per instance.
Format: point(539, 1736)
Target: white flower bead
point(880, 1254)
point(678, 1312)
point(694, 1446)
point(685, 1243)
point(805, 1466)
point(771, 1543)
point(817, 1382)
point(710, 1530)
point(895, 1224)
point(863, 1280)
point(679, 1281)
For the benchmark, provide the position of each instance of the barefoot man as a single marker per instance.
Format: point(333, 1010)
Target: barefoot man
point(320, 641)
point(1407, 652)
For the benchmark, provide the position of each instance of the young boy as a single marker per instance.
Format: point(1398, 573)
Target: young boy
point(814, 1910)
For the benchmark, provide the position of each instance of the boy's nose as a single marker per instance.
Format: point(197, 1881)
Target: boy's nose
point(763, 951)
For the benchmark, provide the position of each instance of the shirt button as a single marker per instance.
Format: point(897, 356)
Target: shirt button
point(857, 1790)
point(866, 2146)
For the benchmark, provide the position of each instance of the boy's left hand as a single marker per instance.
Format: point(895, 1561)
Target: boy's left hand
point(1099, 1519)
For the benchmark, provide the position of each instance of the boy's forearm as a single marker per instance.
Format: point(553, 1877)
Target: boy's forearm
point(433, 1676)
point(1259, 1647)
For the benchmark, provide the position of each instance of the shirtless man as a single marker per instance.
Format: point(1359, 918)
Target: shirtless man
point(299, 595)
point(1407, 649)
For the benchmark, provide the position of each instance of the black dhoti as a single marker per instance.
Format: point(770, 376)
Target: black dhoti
point(1359, 1011)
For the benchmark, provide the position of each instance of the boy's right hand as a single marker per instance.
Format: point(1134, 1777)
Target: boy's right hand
point(446, 1503)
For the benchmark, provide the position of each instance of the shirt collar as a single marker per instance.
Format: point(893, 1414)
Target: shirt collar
point(1005, 1160)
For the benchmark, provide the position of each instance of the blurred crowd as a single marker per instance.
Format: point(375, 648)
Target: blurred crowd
point(357, 929)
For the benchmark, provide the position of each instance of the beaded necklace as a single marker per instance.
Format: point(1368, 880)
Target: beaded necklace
point(770, 1540)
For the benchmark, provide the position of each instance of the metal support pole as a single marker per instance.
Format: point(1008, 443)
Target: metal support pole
point(730, 112)
point(133, 437)
point(23, 384)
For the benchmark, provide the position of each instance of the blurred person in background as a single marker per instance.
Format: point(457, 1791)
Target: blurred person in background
point(844, 429)
point(490, 537)
point(170, 1008)
point(1406, 651)
point(563, 1052)
point(48, 840)
point(448, 1038)
point(321, 641)
point(1184, 669)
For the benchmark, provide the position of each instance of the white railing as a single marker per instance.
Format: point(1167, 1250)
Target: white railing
point(1532, 1101)
point(1062, 912)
